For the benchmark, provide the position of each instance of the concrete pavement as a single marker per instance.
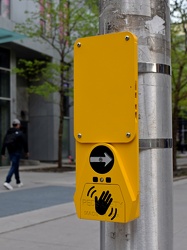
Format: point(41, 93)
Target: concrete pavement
point(56, 226)
point(180, 214)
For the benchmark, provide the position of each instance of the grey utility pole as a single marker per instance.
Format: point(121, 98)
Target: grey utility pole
point(149, 20)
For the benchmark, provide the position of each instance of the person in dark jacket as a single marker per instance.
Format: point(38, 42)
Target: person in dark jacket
point(15, 152)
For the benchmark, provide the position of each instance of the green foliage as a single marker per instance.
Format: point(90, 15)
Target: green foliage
point(179, 67)
point(179, 54)
point(42, 76)
point(44, 89)
point(30, 70)
point(59, 25)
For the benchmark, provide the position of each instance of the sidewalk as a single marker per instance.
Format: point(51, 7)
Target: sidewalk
point(54, 228)
point(57, 227)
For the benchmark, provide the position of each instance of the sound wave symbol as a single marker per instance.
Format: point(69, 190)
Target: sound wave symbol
point(115, 213)
point(90, 190)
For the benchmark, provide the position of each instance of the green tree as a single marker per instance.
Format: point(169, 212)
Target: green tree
point(179, 66)
point(57, 23)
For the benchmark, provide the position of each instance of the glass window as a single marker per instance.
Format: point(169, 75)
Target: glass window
point(4, 58)
point(5, 8)
point(4, 123)
point(4, 83)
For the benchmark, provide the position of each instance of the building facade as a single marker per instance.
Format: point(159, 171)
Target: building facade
point(40, 118)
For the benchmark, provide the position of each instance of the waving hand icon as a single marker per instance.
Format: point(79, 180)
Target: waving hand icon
point(103, 203)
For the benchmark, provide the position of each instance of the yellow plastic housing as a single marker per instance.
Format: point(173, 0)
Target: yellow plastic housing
point(106, 127)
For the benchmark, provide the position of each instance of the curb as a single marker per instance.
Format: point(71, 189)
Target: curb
point(31, 218)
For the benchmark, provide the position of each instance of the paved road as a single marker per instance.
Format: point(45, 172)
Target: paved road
point(41, 190)
point(30, 199)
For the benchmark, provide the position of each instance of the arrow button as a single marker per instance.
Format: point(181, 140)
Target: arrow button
point(101, 159)
point(106, 159)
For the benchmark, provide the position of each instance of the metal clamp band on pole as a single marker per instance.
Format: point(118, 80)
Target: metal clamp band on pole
point(155, 143)
point(144, 67)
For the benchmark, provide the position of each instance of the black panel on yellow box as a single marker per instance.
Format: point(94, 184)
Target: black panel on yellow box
point(106, 128)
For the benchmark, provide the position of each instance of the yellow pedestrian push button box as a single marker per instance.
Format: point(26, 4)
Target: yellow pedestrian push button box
point(106, 127)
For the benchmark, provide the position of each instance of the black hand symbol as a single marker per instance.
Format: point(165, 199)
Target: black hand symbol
point(102, 205)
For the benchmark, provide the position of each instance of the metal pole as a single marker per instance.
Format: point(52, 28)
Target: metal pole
point(102, 235)
point(149, 20)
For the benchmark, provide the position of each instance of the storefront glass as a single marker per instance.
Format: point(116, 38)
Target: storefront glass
point(4, 124)
point(4, 96)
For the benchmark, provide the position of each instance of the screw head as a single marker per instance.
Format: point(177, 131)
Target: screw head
point(128, 134)
point(101, 179)
point(79, 135)
point(78, 44)
point(100, 159)
point(127, 38)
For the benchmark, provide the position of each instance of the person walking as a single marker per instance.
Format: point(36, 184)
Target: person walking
point(15, 143)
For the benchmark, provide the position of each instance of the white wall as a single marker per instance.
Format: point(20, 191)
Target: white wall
point(18, 8)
